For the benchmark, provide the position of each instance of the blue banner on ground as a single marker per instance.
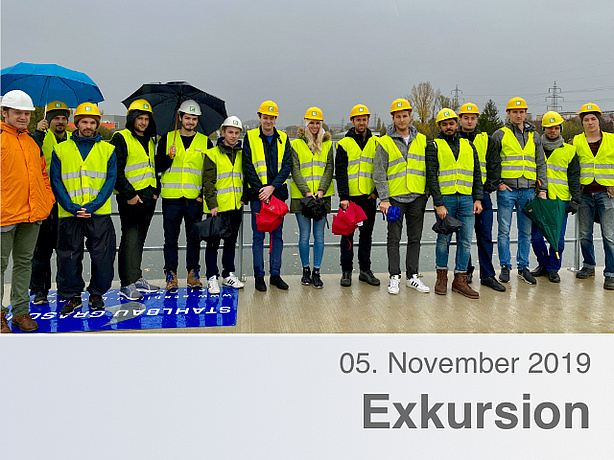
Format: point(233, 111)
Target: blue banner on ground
point(185, 308)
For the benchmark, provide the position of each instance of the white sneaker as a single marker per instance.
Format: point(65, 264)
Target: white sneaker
point(393, 285)
point(212, 285)
point(417, 284)
point(232, 281)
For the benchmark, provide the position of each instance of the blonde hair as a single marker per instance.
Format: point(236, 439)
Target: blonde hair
point(314, 142)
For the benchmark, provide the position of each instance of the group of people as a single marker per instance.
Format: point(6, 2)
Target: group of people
point(57, 187)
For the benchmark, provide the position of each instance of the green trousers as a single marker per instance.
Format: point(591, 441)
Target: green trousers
point(20, 241)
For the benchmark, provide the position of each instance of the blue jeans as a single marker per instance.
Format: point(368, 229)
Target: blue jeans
point(304, 228)
point(538, 242)
point(506, 201)
point(602, 205)
point(277, 245)
point(461, 208)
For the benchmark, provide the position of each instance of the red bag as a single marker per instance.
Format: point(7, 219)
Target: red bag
point(271, 215)
point(345, 222)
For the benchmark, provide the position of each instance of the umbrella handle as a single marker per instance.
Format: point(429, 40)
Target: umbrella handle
point(172, 155)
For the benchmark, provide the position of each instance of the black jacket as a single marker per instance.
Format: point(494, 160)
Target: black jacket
point(210, 171)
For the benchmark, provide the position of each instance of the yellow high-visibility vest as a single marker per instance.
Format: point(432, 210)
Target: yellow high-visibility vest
point(258, 160)
point(598, 167)
point(228, 180)
point(312, 167)
point(405, 176)
point(516, 161)
point(49, 143)
point(140, 168)
point(557, 163)
point(360, 165)
point(185, 176)
point(480, 143)
point(455, 176)
point(84, 179)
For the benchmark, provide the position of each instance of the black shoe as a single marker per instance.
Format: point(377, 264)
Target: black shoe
point(277, 281)
point(346, 279)
point(259, 284)
point(554, 277)
point(40, 298)
point(70, 306)
point(492, 283)
point(525, 275)
point(540, 271)
point(306, 279)
point(368, 277)
point(504, 277)
point(470, 275)
point(608, 283)
point(317, 281)
point(585, 272)
point(95, 302)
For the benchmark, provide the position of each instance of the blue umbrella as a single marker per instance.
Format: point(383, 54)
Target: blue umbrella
point(50, 82)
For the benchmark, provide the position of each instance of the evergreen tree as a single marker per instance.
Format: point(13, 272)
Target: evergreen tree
point(489, 120)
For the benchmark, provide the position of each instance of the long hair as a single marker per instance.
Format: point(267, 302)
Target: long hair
point(314, 142)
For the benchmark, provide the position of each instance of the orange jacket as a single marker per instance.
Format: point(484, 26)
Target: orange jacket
point(25, 191)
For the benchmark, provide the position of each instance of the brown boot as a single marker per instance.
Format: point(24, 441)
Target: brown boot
point(441, 286)
point(460, 285)
point(25, 323)
point(194, 279)
point(4, 329)
point(171, 281)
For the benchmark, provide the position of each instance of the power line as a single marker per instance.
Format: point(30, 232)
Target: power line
point(554, 98)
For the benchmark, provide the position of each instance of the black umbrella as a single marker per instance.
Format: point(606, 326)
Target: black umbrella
point(214, 226)
point(165, 99)
point(447, 225)
point(313, 209)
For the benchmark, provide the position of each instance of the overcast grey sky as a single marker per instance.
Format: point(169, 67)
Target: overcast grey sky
point(332, 54)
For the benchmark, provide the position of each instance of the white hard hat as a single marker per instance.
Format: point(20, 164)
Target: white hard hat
point(18, 100)
point(190, 107)
point(234, 122)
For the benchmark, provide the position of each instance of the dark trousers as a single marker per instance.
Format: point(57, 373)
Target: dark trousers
point(173, 212)
point(483, 234)
point(99, 235)
point(228, 253)
point(135, 220)
point(413, 214)
point(41, 260)
point(364, 238)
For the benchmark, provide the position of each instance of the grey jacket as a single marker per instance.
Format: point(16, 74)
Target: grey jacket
point(380, 164)
point(494, 156)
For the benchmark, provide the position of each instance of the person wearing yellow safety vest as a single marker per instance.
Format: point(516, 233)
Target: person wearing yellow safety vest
point(596, 154)
point(564, 184)
point(50, 131)
point(137, 191)
point(179, 160)
point(267, 163)
point(354, 158)
point(454, 180)
point(312, 176)
point(519, 168)
point(399, 173)
point(223, 194)
point(83, 172)
point(468, 120)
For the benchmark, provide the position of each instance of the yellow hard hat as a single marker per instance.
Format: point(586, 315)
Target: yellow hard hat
point(590, 107)
point(314, 113)
point(269, 108)
point(140, 104)
point(399, 104)
point(446, 114)
point(57, 105)
point(359, 110)
point(516, 103)
point(551, 118)
point(468, 107)
point(87, 109)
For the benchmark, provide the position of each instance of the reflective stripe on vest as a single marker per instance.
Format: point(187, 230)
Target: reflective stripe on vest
point(360, 165)
point(83, 179)
point(228, 180)
point(598, 167)
point(405, 176)
point(312, 167)
point(258, 160)
point(455, 176)
point(49, 143)
point(185, 176)
point(557, 164)
point(516, 161)
point(140, 170)
point(480, 143)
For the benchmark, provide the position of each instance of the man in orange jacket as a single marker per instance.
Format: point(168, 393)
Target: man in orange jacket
point(27, 199)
